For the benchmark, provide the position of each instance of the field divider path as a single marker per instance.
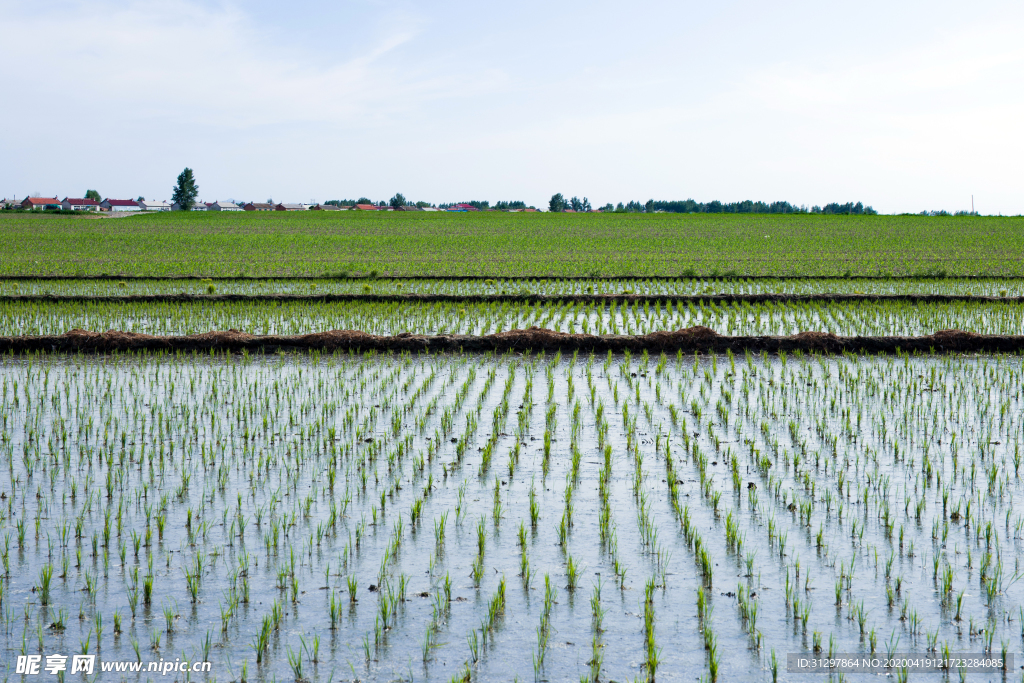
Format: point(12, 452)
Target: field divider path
point(509, 298)
point(398, 277)
point(694, 339)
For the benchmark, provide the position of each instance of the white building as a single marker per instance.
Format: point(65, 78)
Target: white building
point(150, 205)
point(225, 206)
point(198, 206)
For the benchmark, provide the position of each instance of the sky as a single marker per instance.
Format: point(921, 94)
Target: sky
point(905, 106)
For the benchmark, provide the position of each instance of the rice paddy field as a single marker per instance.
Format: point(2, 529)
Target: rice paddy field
point(530, 516)
point(477, 517)
point(865, 318)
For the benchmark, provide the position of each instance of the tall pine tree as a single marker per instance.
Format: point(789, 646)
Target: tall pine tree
point(186, 191)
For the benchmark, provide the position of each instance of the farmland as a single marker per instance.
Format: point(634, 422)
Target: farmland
point(512, 245)
point(410, 516)
point(511, 287)
point(864, 318)
point(341, 514)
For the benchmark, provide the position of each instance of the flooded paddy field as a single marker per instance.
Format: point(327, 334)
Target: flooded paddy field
point(531, 517)
point(864, 318)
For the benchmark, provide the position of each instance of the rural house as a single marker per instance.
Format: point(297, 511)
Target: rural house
point(257, 206)
point(198, 206)
point(365, 207)
point(119, 205)
point(225, 206)
point(40, 203)
point(150, 205)
point(80, 205)
point(291, 207)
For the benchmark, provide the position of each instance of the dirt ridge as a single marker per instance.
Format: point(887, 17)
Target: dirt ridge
point(365, 275)
point(508, 298)
point(694, 339)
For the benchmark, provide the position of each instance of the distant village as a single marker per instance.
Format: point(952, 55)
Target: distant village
point(558, 204)
point(145, 205)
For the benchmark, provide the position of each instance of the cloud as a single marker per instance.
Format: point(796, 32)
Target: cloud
point(180, 61)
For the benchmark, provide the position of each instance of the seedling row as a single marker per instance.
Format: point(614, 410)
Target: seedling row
point(865, 318)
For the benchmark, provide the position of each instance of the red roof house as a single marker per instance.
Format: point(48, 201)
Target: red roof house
point(40, 203)
point(80, 204)
point(119, 205)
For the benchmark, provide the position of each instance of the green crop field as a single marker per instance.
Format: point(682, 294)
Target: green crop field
point(512, 245)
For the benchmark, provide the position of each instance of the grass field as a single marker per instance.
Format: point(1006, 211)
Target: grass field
point(508, 245)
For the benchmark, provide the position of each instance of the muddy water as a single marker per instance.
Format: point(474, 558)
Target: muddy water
point(197, 445)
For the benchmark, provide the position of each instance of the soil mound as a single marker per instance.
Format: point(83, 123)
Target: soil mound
point(694, 339)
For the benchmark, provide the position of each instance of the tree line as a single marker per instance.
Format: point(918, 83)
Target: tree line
point(559, 203)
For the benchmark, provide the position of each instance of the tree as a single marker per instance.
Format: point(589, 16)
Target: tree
point(575, 204)
point(398, 200)
point(557, 203)
point(141, 199)
point(586, 205)
point(364, 200)
point(93, 194)
point(186, 191)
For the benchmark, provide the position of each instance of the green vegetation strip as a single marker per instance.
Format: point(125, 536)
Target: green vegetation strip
point(601, 299)
point(684, 287)
point(513, 245)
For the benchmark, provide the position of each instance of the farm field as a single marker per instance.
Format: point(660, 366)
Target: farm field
point(476, 516)
point(863, 318)
point(429, 517)
point(512, 245)
point(993, 287)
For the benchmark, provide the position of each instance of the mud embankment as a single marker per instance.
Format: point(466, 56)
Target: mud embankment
point(602, 299)
point(689, 340)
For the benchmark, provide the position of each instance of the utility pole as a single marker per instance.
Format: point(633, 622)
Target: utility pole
point(972, 204)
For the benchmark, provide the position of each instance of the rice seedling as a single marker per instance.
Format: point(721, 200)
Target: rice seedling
point(45, 576)
point(295, 662)
point(572, 572)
